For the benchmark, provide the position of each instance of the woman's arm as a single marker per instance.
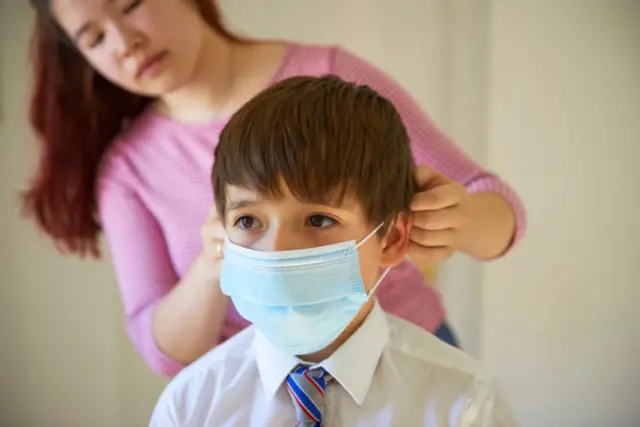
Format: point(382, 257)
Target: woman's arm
point(490, 233)
point(187, 322)
point(497, 210)
point(171, 322)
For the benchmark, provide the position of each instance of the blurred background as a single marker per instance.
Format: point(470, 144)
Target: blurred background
point(546, 93)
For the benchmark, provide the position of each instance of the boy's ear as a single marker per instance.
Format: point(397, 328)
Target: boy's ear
point(396, 242)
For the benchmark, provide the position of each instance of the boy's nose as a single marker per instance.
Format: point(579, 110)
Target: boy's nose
point(277, 240)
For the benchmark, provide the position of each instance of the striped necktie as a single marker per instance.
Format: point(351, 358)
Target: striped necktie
point(306, 388)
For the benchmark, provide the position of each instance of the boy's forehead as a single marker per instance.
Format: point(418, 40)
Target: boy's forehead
point(235, 194)
point(239, 197)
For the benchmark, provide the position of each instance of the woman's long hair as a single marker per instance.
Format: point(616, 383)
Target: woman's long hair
point(76, 114)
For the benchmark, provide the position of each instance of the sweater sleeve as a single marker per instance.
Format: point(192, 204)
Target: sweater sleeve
point(143, 268)
point(430, 146)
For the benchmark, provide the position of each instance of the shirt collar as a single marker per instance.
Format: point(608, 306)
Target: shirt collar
point(273, 364)
point(352, 365)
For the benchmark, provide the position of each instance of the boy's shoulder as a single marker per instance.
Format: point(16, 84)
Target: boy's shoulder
point(215, 369)
point(423, 348)
point(226, 370)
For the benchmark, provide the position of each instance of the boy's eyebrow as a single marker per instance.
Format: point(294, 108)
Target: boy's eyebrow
point(238, 204)
point(332, 202)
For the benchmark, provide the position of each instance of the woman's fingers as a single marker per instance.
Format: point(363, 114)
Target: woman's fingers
point(454, 217)
point(428, 255)
point(432, 239)
point(213, 236)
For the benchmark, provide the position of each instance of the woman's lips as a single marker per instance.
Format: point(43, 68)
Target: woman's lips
point(151, 65)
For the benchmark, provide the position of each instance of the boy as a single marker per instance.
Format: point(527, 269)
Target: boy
point(313, 179)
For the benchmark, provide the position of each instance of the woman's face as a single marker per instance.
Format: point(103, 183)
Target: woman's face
point(150, 47)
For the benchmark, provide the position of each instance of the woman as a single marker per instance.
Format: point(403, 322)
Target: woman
point(130, 96)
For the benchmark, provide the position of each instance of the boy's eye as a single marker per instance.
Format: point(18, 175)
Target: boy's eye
point(320, 221)
point(247, 222)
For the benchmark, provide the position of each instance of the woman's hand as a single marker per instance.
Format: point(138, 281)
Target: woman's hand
point(447, 219)
point(212, 234)
point(188, 321)
point(441, 216)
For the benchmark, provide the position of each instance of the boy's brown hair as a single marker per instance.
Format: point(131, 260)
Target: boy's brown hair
point(324, 138)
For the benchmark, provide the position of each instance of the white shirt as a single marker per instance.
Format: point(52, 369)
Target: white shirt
point(388, 373)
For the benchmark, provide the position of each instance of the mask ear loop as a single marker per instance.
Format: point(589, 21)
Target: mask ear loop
point(382, 276)
point(375, 230)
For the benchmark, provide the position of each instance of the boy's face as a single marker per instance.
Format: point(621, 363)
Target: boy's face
point(286, 223)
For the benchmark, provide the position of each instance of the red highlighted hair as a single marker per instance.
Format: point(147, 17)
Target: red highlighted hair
point(76, 114)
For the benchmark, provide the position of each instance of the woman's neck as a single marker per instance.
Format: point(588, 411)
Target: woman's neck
point(211, 86)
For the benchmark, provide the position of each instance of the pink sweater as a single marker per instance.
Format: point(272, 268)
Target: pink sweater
point(154, 194)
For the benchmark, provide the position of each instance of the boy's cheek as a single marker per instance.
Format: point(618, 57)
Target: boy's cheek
point(370, 265)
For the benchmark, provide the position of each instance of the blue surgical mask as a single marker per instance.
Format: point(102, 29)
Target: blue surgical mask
point(301, 300)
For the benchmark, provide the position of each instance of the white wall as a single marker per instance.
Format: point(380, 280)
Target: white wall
point(561, 319)
point(65, 359)
point(546, 93)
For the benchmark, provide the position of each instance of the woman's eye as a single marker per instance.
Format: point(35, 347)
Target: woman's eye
point(247, 222)
point(96, 40)
point(132, 6)
point(321, 221)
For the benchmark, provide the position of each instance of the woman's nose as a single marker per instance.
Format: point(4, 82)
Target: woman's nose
point(126, 40)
